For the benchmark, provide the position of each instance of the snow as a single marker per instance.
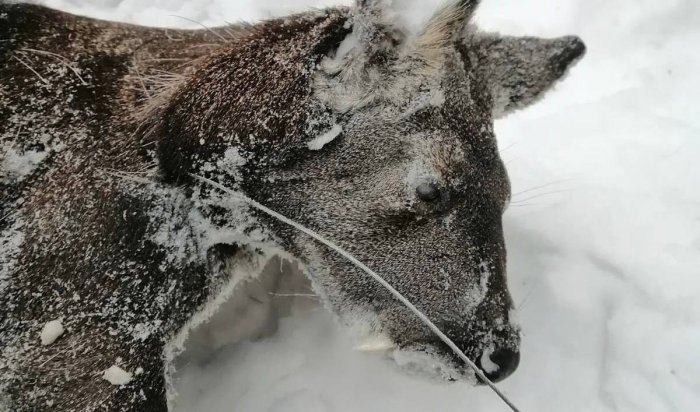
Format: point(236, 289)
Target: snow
point(603, 230)
point(323, 139)
point(116, 375)
point(51, 331)
point(17, 165)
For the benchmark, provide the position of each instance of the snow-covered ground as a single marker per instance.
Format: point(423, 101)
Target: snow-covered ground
point(603, 233)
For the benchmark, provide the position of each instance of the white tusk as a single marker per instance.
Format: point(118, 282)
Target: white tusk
point(375, 344)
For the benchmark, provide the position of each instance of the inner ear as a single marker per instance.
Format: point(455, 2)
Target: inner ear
point(519, 70)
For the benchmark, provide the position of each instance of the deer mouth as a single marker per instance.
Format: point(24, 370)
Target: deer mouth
point(420, 360)
point(437, 365)
point(436, 362)
point(282, 289)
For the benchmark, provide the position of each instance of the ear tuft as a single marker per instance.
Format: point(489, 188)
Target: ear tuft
point(446, 25)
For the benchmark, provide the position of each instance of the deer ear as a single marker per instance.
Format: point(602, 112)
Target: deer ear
point(446, 25)
point(521, 69)
point(373, 28)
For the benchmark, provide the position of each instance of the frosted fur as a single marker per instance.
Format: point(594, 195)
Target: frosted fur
point(522, 69)
point(103, 127)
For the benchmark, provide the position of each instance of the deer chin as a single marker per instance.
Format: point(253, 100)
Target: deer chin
point(422, 362)
point(427, 363)
point(376, 344)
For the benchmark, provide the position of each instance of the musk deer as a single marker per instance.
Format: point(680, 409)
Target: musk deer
point(382, 140)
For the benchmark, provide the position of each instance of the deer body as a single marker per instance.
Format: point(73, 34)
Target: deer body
point(381, 142)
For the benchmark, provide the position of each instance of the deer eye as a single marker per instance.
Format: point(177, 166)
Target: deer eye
point(428, 192)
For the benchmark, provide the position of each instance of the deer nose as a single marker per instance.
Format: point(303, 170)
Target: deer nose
point(499, 364)
point(573, 48)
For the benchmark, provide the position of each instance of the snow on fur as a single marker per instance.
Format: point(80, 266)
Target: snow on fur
point(116, 375)
point(51, 331)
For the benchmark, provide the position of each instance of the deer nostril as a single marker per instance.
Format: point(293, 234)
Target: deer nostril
point(500, 364)
point(572, 49)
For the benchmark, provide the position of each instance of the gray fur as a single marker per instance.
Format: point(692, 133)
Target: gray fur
point(522, 69)
point(107, 230)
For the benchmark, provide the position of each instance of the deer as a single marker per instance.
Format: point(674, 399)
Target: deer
point(116, 139)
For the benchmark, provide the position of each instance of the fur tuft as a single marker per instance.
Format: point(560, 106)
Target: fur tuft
point(444, 28)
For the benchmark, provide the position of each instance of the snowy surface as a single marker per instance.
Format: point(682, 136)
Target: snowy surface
point(603, 230)
point(51, 331)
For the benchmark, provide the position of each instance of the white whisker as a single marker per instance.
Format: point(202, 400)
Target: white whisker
point(510, 146)
point(532, 204)
point(294, 295)
point(205, 27)
point(552, 192)
point(540, 187)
